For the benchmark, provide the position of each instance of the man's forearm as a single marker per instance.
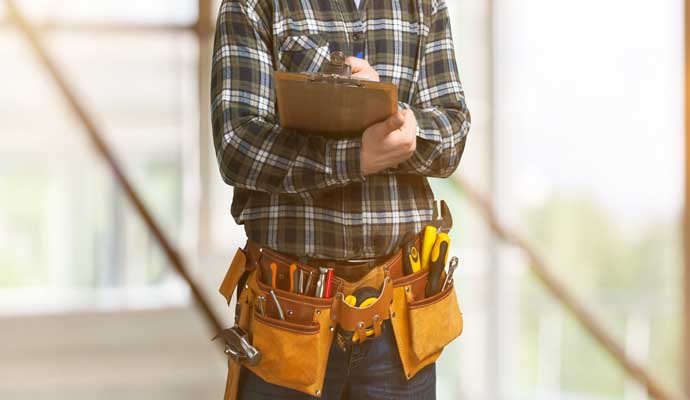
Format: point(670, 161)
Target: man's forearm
point(258, 155)
point(441, 137)
point(439, 105)
point(253, 151)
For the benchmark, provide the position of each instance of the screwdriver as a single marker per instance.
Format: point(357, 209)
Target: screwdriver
point(262, 300)
point(321, 282)
point(274, 274)
point(435, 233)
point(293, 277)
point(411, 262)
point(309, 281)
point(439, 256)
point(278, 307)
point(428, 244)
point(429, 239)
point(328, 284)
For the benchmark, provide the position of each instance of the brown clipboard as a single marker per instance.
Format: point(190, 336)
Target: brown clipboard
point(330, 105)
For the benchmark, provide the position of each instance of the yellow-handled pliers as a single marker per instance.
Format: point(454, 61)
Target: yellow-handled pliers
point(435, 233)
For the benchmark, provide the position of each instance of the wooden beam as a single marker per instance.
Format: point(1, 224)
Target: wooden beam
point(204, 33)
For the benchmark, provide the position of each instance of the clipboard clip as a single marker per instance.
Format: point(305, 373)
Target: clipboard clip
point(336, 71)
point(337, 65)
point(335, 80)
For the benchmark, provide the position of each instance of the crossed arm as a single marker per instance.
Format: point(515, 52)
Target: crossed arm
point(427, 137)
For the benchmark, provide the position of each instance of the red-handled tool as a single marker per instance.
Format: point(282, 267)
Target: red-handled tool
point(329, 284)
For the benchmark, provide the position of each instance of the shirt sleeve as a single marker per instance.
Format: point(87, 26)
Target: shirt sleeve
point(253, 151)
point(439, 106)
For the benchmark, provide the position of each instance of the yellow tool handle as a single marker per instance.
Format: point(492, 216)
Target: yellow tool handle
point(439, 257)
point(352, 300)
point(415, 262)
point(428, 244)
point(435, 252)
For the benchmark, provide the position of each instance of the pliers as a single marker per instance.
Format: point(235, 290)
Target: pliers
point(435, 247)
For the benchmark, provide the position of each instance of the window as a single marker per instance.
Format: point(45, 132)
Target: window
point(66, 229)
point(587, 163)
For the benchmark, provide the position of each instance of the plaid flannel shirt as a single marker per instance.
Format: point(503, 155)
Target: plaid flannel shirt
point(306, 195)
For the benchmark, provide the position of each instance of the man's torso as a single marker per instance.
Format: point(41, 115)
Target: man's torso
point(360, 220)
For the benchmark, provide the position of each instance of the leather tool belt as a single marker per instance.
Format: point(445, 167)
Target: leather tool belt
point(294, 342)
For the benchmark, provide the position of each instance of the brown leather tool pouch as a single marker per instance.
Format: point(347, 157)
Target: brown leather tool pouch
point(423, 326)
point(294, 350)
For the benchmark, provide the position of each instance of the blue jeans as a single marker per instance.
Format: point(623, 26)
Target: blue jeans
point(373, 370)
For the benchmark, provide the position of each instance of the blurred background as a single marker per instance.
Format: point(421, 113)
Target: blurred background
point(577, 139)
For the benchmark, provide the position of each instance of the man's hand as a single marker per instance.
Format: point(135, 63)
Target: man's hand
point(389, 143)
point(362, 69)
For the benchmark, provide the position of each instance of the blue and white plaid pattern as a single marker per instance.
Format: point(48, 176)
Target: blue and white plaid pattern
point(306, 195)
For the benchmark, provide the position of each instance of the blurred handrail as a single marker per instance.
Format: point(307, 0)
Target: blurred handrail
point(686, 203)
point(103, 150)
point(582, 312)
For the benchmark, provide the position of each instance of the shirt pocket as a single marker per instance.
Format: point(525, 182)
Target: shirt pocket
point(303, 53)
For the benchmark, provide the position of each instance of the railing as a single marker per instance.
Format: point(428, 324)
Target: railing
point(582, 312)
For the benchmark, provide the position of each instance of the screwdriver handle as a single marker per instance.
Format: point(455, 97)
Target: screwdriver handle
point(274, 274)
point(437, 252)
point(293, 277)
point(415, 262)
point(427, 245)
point(439, 256)
point(411, 261)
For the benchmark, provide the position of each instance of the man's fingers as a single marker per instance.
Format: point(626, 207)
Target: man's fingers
point(409, 117)
point(364, 75)
point(396, 121)
point(393, 123)
point(357, 64)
